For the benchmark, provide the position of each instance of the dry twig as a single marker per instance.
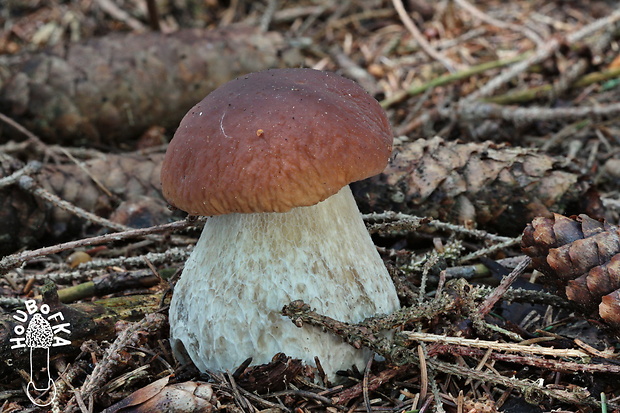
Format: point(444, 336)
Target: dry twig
point(474, 11)
point(495, 345)
point(129, 337)
point(424, 44)
point(474, 112)
point(14, 260)
point(550, 47)
point(501, 289)
point(116, 12)
point(29, 169)
point(28, 184)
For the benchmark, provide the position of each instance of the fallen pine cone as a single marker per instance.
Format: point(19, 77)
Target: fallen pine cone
point(482, 184)
point(580, 259)
point(127, 191)
point(109, 90)
point(21, 214)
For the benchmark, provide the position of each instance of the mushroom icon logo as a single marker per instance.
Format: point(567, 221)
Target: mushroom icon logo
point(39, 334)
point(35, 331)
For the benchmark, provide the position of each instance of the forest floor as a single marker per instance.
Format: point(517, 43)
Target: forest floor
point(506, 122)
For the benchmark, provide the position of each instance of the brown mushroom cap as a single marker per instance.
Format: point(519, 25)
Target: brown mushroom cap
point(274, 140)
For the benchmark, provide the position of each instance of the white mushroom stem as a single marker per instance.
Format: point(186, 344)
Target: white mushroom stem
point(246, 267)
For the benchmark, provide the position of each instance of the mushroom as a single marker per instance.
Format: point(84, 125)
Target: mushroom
point(269, 157)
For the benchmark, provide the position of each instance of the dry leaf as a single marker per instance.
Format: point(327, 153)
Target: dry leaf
point(188, 397)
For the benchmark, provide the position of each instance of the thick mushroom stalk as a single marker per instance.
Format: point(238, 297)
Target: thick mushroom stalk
point(246, 267)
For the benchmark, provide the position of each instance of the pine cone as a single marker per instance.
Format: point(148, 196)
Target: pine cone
point(610, 309)
point(21, 215)
point(482, 183)
point(109, 90)
point(130, 194)
point(580, 259)
point(128, 177)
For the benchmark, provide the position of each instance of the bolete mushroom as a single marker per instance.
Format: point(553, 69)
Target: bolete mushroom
point(269, 157)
